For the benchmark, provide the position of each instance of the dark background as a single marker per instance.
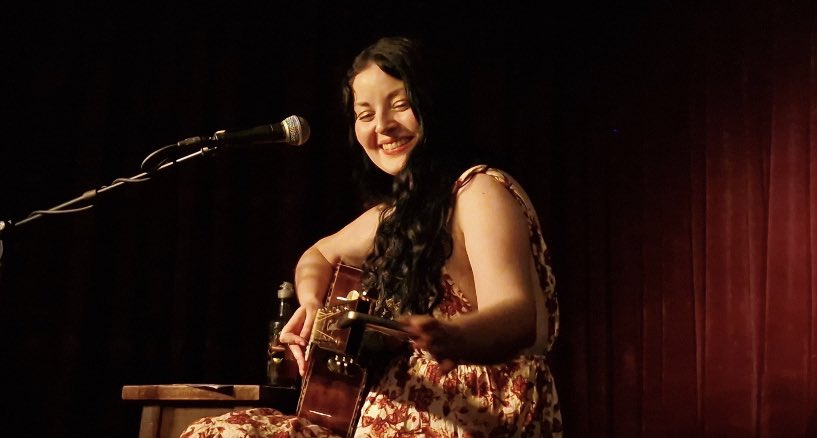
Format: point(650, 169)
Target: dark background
point(173, 280)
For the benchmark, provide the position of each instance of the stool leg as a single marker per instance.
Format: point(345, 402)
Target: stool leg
point(151, 418)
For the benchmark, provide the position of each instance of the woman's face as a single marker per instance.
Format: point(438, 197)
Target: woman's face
point(385, 124)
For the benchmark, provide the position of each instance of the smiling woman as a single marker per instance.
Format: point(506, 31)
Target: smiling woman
point(385, 124)
point(452, 254)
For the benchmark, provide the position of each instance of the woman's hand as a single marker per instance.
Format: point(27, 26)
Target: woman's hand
point(441, 339)
point(296, 333)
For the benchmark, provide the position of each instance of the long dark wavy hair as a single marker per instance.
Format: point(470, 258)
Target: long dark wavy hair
point(413, 240)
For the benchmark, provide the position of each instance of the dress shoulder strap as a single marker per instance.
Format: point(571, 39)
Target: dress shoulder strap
point(504, 179)
point(467, 175)
point(518, 193)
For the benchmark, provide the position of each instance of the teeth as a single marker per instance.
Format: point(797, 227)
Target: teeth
point(394, 145)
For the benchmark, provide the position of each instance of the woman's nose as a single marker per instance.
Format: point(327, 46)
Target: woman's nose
point(385, 122)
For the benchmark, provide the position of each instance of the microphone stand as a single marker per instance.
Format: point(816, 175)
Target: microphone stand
point(7, 226)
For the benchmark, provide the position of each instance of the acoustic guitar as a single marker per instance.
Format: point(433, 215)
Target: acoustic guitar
point(344, 338)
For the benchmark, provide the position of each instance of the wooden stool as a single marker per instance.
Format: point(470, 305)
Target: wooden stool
point(168, 409)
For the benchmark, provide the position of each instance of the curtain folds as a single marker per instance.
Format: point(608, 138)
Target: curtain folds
point(705, 309)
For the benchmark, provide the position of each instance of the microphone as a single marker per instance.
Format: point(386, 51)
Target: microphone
point(293, 130)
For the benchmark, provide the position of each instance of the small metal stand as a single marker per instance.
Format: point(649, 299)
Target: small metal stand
point(85, 201)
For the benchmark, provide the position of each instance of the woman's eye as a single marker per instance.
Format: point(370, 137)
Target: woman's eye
point(365, 117)
point(401, 104)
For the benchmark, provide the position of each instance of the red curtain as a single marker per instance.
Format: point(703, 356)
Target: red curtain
point(690, 278)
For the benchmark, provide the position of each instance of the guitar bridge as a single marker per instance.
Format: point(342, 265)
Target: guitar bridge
point(343, 296)
point(343, 365)
point(325, 329)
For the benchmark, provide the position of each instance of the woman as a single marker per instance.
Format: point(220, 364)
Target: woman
point(455, 253)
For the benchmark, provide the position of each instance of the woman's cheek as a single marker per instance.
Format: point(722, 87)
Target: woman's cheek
point(362, 136)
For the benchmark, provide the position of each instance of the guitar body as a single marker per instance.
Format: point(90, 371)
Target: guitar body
point(332, 392)
point(334, 383)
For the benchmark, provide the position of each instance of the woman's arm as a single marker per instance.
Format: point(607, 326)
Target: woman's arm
point(492, 226)
point(313, 273)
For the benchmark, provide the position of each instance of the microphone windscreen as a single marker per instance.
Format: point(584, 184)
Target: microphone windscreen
point(297, 130)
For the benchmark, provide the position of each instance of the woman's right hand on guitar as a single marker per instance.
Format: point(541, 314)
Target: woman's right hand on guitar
point(296, 333)
point(313, 274)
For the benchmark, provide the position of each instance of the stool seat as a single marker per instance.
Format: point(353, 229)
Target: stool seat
point(167, 409)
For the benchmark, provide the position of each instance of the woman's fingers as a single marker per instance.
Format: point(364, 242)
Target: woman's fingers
point(295, 334)
point(292, 338)
point(306, 330)
point(298, 328)
point(298, 354)
point(434, 336)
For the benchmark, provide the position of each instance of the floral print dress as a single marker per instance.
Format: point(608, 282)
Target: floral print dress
point(516, 398)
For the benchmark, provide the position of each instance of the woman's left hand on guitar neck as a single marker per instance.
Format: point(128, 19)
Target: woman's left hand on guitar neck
point(439, 338)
